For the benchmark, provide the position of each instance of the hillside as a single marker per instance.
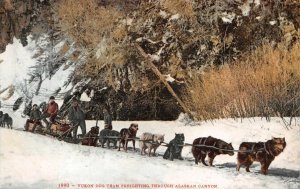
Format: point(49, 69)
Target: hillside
point(183, 39)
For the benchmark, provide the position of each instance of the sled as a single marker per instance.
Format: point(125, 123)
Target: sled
point(38, 127)
point(63, 131)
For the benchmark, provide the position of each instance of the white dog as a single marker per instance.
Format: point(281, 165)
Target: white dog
point(150, 141)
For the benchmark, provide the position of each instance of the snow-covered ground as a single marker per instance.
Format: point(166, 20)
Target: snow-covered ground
point(34, 161)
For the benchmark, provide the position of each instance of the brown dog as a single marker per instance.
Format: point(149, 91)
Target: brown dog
point(128, 135)
point(263, 152)
point(200, 152)
point(90, 139)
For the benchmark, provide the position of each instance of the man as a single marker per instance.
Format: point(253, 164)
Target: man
point(50, 112)
point(77, 118)
point(35, 117)
point(107, 119)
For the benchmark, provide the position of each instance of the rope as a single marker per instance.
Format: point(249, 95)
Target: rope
point(60, 137)
point(185, 144)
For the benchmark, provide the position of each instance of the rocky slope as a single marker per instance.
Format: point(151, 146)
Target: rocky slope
point(181, 37)
point(20, 18)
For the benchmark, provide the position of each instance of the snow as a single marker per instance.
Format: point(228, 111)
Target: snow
point(246, 6)
point(14, 73)
point(84, 97)
point(87, 98)
point(58, 46)
point(273, 22)
point(104, 88)
point(155, 57)
point(15, 69)
point(102, 47)
point(34, 161)
point(257, 2)
point(175, 17)
point(164, 14)
point(129, 21)
point(16, 63)
point(228, 17)
point(140, 39)
point(50, 85)
point(169, 78)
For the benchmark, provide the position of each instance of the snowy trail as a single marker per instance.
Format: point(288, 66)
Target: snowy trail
point(34, 161)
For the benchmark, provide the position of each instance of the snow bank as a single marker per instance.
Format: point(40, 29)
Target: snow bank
point(33, 161)
point(228, 17)
point(16, 63)
point(246, 6)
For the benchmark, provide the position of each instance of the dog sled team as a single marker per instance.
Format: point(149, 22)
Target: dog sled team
point(263, 152)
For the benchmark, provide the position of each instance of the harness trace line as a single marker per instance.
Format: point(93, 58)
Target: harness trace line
point(185, 144)
point(61, 137)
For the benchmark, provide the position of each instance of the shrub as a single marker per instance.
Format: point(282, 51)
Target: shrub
point(264, 83)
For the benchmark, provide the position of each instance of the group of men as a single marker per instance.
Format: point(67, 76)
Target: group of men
point(76, 116)
point(49, 112)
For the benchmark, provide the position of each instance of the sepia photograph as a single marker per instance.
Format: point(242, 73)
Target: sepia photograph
point(149, 94)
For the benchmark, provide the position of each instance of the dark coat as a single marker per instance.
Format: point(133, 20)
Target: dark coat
point(35, 114)
point(107, 119)
point(76, 114)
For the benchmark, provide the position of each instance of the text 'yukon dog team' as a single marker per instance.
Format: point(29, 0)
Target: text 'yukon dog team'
point(128, 135)
point(150, 141)
point(263, 152)
point(200, 152)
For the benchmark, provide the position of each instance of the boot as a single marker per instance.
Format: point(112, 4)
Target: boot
point(25, 127)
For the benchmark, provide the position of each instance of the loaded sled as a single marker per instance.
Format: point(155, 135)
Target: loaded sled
point(61, 130)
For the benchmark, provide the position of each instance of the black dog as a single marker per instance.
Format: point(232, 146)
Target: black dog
point(175, 148)
point(90, 139)
point(7, 120)
point(109, 136)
